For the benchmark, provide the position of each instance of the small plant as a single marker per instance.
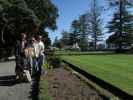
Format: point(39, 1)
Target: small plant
point(52, 60)
point(56, 62)
point(46, 65)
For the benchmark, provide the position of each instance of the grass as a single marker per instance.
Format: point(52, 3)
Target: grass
point(44, 95)
point(115, 69)
point(80, 53)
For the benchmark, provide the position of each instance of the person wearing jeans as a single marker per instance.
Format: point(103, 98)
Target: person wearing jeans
point(41, 53)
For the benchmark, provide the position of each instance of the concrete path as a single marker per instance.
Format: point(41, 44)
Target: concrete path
point(9, 89)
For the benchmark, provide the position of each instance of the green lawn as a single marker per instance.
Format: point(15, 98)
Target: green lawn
point(81, 53)
point(115, 69)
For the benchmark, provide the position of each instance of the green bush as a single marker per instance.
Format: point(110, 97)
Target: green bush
point(52, 59)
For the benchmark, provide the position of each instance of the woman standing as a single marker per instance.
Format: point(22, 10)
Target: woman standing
point(35, 55)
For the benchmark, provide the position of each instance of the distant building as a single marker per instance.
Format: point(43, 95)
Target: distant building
point(76, 46)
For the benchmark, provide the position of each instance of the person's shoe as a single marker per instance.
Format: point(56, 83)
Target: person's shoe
point(17, 77)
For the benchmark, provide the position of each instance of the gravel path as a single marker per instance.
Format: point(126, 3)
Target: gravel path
point(9, 89)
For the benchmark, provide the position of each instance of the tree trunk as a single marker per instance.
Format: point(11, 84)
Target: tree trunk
point(95, 42)
point(120, 30)
point(2, 34)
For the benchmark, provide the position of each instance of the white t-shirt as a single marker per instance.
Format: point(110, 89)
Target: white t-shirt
point(36, 49)
point(41, 47)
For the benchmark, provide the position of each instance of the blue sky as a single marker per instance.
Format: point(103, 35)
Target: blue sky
point(70, 10)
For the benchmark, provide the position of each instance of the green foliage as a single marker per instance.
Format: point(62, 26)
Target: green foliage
point(83, 44)
point(57, 43)
point(77, 35)
point(122, 24)
point(66, 39)
point(52, 59)
point(46, 12)
point(74, 35)
point(47, 42)
point(30, 16)
point(84, 32)
point(88, 24)
point(95, 22)
point(46, 65)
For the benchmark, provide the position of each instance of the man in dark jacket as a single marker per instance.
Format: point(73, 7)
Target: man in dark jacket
point(19, 54)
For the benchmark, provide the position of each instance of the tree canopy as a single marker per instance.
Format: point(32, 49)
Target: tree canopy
point(29, 16)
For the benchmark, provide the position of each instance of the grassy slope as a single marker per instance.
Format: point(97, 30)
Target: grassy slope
point(115, 69)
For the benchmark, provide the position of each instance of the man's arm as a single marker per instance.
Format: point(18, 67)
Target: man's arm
point(17, 47)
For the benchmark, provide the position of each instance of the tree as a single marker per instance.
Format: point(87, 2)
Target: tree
point(14, 19)
point(45, 11)
point(57, 42)
point(80, 31)
point(65, 39)
point(121, 24)
point(75, 32)
point(47, 42)
point(84, 30)
point(30, 16)
point(96, 21)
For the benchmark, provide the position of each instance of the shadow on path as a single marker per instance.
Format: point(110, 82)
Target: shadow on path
point(7, 80)
point(35, 89)
point(6, 60)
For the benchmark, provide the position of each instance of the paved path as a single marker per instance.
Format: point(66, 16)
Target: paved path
point(9, 89)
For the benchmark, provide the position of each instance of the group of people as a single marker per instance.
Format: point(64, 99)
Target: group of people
point(30, 57)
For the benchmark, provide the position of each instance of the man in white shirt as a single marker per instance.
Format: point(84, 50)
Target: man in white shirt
point(41, 53)
point(41, 45)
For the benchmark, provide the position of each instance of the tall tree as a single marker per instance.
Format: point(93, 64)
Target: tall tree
point(75, 32)
point(57, 42)
point(15, 18)
point(95, 20)
point(65, 39)
point(46, 12)
point(121, 24)
point(25, 16)
point(83, 32)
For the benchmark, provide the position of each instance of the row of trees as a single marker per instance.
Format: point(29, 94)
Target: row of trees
point(89, 26)
point(30, 16)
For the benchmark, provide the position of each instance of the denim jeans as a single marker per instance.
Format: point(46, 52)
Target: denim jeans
point(35, 68)
point(40, 62)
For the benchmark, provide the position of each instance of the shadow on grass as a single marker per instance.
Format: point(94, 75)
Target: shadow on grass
point(35, 88)
point(8, 80)
point(39, 89)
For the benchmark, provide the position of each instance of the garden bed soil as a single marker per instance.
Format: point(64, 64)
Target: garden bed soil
point(64, 85)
